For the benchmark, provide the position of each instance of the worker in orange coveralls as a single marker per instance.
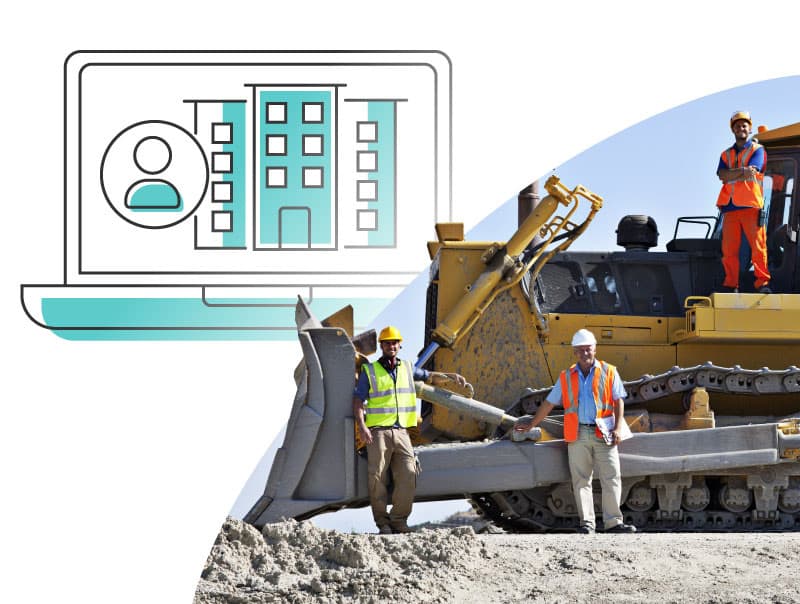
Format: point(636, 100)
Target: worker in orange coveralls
point(741, 202)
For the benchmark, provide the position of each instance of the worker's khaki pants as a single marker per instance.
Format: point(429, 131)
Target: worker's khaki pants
point(585, 455)
point(391, 449)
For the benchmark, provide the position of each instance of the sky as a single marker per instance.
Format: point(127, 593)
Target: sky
point(125, 457)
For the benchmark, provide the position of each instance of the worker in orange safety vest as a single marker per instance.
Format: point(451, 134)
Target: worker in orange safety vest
point(741, 202)
point(591, 393)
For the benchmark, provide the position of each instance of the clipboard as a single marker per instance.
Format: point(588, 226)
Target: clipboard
point(606, 426)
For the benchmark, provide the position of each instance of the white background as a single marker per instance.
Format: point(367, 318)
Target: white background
point(120, 460)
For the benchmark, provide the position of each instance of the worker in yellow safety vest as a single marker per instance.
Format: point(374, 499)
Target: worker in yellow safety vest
point(741, 201)
point(591, 393)
point(384, 406)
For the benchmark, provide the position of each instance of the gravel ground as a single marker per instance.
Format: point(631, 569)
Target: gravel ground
point(298, 562)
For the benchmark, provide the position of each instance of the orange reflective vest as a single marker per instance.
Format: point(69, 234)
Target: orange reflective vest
point(744, 193)
point(602, 389)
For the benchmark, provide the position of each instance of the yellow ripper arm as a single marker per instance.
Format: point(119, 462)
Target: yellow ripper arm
point(505, 267)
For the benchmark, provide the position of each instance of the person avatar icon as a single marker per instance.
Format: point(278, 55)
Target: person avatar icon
point(154, 174)
point(152, 155)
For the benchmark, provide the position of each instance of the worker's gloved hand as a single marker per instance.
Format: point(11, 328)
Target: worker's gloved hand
point(524, 430)
point(523, 424)
point(442, 378)
point(445, 379)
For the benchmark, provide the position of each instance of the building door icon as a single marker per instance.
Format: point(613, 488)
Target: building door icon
point(294, 227)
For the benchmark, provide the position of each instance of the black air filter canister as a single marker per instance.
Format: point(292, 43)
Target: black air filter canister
point(637, 232)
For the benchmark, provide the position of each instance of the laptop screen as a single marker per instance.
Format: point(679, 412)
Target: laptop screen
point(250, 168)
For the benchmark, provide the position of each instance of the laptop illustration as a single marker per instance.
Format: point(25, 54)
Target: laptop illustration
point(206, 191)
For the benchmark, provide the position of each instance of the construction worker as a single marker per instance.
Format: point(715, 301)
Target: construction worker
point(741, 202)
point(591, 393)
point(385, 394)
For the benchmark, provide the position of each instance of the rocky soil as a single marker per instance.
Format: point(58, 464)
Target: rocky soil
point(298, 562)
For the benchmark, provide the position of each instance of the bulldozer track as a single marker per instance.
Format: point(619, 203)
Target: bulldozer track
point(707, 504)
point(729, 380)
point(501, 509)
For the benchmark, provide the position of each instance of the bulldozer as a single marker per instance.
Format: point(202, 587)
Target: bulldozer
point(713, 396)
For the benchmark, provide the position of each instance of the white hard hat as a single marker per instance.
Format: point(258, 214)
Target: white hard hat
point(583, 337)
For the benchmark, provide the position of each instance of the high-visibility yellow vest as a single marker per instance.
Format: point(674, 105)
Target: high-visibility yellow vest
point(390, 401)
point(602, 390)
point(744, 193)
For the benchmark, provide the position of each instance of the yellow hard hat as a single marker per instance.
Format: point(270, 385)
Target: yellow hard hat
point(390, 333)
point(741, 115)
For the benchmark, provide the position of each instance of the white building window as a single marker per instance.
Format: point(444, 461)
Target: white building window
point(222, 192)
point(313, 177)
point(276, 144)
point(276, 177)
point(222, 133)
point(275, 113)
point(312, 144)
point(367, 190)
point(312, 113)
point(222, 163)
point(221, 222)
point(367, 220)
point(367, 161)
point(367, 132)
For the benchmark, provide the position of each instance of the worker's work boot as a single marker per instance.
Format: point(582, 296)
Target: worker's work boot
point(622, 528)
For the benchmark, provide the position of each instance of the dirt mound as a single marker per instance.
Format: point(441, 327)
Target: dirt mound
point(298, 562)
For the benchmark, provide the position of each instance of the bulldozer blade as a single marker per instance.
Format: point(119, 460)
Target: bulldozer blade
point(366, 343)
point(317, 469)
point(342, 318)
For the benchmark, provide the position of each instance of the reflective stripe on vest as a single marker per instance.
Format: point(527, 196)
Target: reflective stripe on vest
point(389, 401)
point(744, 193)
point(602, 391)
